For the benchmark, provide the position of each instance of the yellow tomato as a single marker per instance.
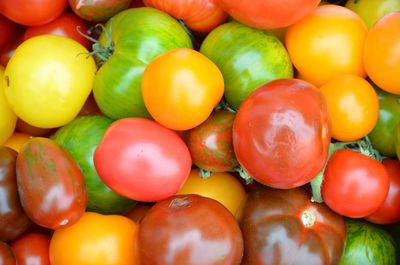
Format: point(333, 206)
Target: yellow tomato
point(48, 79)
point(353, 107)
point(326, 44)
point(181, 87)
point(222, 187)
point(17, 140)
point(7, 117)
point(96, 239)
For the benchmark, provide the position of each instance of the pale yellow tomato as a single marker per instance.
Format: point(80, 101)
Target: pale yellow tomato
point(48, 80)
point(7, 117)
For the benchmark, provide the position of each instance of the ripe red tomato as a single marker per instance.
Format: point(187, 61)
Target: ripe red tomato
point(7, 256)
point(8, 31)
point(32, 248)
point(354, 185)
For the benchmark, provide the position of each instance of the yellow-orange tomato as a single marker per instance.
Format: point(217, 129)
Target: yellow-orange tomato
point(96, 239)
point(181, 87)
point(17, 140)
point(353, 107)
point(326, 44)
point(222, 187)
point(382, 53)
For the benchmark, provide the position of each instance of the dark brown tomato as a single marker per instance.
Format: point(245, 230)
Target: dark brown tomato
point(139, 211)
point(6, 255)
point(285, 227)
point(50, 183)
point(13, 220)
point(210, 143)
point(190, 229)
point(32, 249)
point(98, 10)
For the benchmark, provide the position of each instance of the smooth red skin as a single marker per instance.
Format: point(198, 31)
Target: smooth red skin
point(8, 31)
point(13, 220)
point(50, 184)
point(142, 160)
point(210, 143)
point(9, 49)
point(281, 133)
point(32, 12)
point(354, 184)
point(389, 211)
point(268, 14)
point(98, 10)
point(6, 255)
point(136, 3)
point(32, 249)
point(190, 229)
point(275, 234)
point(67, 25)
point(198, 15)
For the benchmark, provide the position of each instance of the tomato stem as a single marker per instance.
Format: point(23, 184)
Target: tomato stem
point(204, 174)
point(243, 174)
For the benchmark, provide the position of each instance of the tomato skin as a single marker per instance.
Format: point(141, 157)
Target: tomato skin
point(354, 184)
point(32, 246)
point(13, 220)
point(210, 143)
point(142, 160)
point(8, 118)
point(98, 10)
point(282, 147)
point(200, 16)
point(50, 184)
point(175, 231)
point(7, 256)
point(32, 12)
point(8, 31)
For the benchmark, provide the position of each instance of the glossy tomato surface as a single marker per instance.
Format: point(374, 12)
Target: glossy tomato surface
point(98, 10)
point(32, 248)
point(7, 256)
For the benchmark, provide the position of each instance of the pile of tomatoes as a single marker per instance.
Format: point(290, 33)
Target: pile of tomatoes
point(199, 132)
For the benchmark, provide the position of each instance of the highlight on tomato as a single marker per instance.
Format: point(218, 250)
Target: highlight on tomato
point(31, 246)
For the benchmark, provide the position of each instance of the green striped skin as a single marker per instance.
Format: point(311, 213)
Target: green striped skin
point(367, 244)
point(81, 137)
point(138, 36)
point(247, 59)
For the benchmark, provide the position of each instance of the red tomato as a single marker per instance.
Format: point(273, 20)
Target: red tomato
point(68, 25)
point(32, 249)
point(268, 14)
point(142, 160)
point(389, 211)
point(32, 12)
point(354, 184)
point(98, 10)
point(9, 49)
point(136, 3)
point(7, 256)
point(8, 31)
point(281, 133)
point(199, 15)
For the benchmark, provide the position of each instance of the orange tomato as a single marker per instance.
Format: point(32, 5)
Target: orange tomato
point(222, 187)
point(181, 87)
point(16, 140)
point(382, 53)
point(353, 107)
point(326, 44)
point(96, 239)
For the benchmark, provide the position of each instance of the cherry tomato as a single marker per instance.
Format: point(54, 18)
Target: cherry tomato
point(32, 248)
point(8, 119)
point(7, 256)
point(327, 43)
point(181, 87)
point(354, 184)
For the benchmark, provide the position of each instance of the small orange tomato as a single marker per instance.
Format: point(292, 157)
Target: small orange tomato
point(326, 44)
point(181, 87)
point(96, 239)
point(17, 140)
point(382, 53)
point(353, 107)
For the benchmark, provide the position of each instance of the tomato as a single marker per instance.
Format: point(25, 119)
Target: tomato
point(8, 119)
point(389, 211)
point(17, 140)
point(210, 143)
point(142, 160)
point(50, 184)
point(268, 14)
point(132, 39)
point(181, 87)
point(200, 16)
point(9, 49)
point(13, 220)
point(236, 49)
point(285, 227)
point(190, 229)
point(222, 187)
point(382, 54)
point(32, 248)
point(90, 107)
point(139, 211)
point(32, 12)
point(98, 10)
point(354, 185)
point(6, 255)
point(26, 128)
point(96, 239)
point(353, 107)
point(136, 3)
point(67, 24)
point(281, 133)
point(48, 79)
point(8, 31)
point(326, 44)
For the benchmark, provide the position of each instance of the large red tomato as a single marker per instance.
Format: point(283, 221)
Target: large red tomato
point(268, 14)
point(281, 133)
